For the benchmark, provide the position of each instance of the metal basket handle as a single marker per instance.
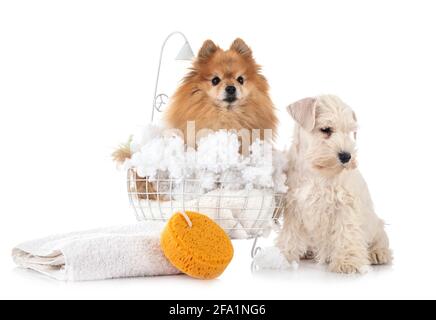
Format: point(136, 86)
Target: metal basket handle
point(161, 99)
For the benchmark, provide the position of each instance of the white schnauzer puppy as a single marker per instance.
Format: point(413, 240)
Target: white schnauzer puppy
point(329, 214)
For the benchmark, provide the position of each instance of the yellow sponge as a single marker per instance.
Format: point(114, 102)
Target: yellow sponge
point(202, 251)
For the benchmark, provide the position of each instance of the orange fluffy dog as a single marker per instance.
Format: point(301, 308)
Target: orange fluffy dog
point(224, 90)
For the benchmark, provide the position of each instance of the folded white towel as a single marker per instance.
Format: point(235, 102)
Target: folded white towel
point(127, 251)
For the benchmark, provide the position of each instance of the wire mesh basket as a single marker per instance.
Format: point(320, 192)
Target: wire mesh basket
point(243, 214)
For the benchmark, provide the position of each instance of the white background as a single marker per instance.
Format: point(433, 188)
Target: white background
point(77, 77)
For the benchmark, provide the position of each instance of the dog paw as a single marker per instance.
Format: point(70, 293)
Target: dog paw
point(380, 256)
point(348, 267)
point(345, 268)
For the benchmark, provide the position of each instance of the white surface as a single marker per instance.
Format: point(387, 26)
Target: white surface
point(77, 77)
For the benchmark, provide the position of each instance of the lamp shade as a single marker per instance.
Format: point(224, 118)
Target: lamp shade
point(185, 52)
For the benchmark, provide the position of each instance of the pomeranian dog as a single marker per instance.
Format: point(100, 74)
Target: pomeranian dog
point(224, 90)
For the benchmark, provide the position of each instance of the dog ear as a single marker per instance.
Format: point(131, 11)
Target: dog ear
point(303, 112)
point(241, 47)
point(207, 50)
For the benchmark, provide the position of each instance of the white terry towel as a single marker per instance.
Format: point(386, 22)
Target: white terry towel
point(127, 251)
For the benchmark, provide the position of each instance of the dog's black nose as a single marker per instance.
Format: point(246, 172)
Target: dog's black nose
point(344, 157)
point(231, 90)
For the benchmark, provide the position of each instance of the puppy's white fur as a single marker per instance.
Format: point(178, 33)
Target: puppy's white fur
point(329, 211)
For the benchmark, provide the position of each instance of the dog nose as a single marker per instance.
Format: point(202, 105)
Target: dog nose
point(344, 157)
point(230, 90)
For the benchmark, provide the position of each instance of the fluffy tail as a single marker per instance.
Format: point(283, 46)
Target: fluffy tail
point(122, 153)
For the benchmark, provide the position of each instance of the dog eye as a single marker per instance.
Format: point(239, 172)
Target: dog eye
point(327, 131)
point(215, 81)
point(240, 80)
